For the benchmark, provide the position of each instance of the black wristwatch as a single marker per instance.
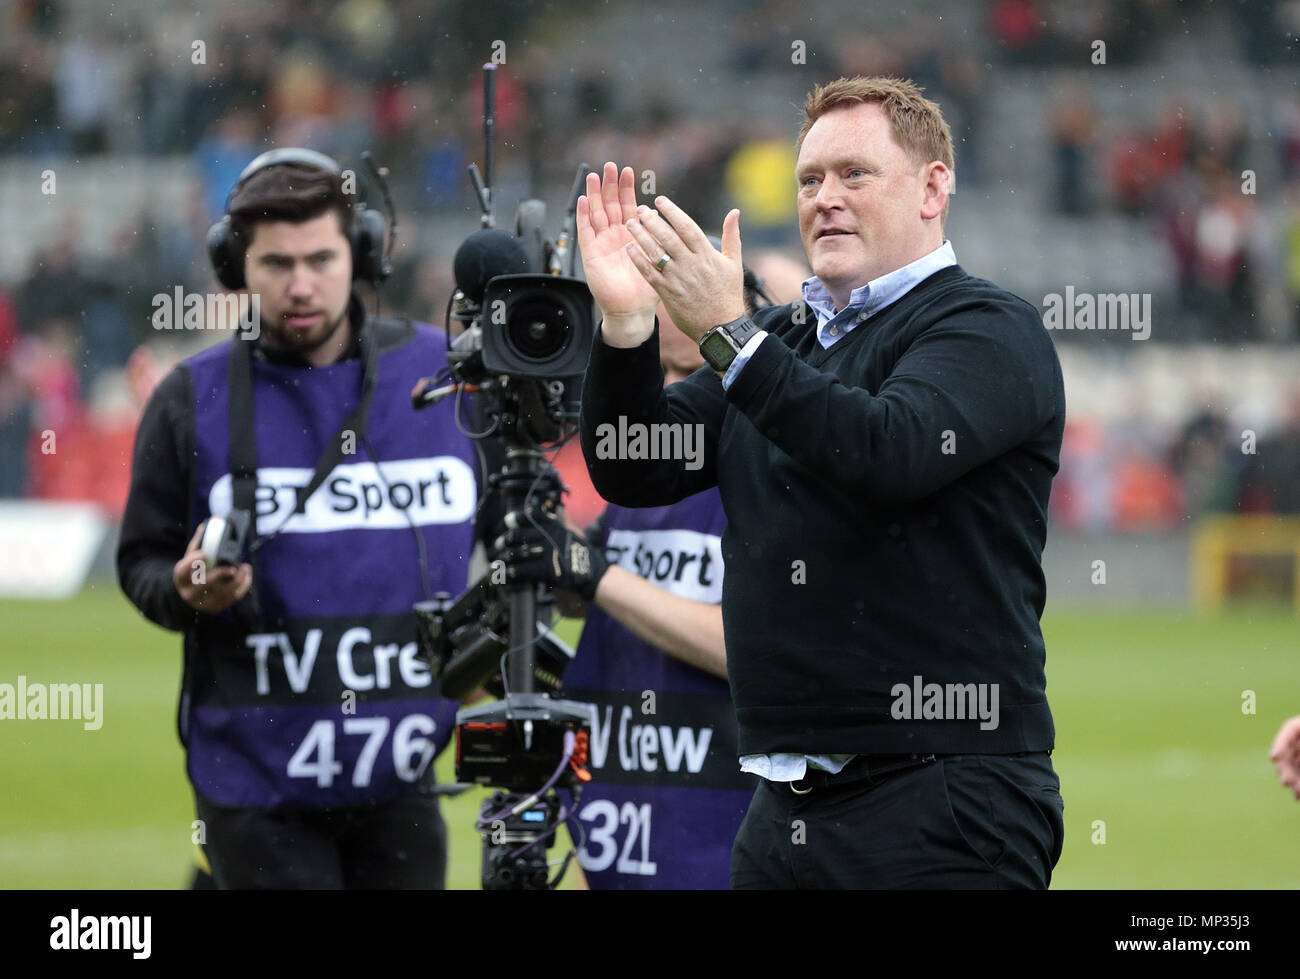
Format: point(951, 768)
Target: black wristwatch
point(721, 344)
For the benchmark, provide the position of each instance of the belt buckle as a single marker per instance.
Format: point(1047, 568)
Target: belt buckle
point(799, 791)
point(915, 761)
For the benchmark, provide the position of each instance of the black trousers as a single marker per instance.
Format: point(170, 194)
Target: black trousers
point(393, 845)
point(952, 822)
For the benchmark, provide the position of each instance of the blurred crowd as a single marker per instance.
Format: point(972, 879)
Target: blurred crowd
point(1197, 175)
point(1044, 33)
point(78, 354)
point(1195, 169)
point(1131, 475)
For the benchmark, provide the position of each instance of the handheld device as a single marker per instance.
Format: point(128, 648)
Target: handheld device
point(223, 538)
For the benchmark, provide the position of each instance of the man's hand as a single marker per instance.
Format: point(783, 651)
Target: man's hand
point(1286, 753)
point(545, 551)
point(701, 287)
point(627, 302)
point(213, 590)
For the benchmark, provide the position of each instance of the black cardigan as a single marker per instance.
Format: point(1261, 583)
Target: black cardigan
point(887, 510)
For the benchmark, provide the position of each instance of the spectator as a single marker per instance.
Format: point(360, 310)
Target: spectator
point(758, 180)
point(1225, 228)
point(221, 156)
point(88, 85)
point(1073, 126)
point(15, 406)
point(1200, 458)
point(1270, 481)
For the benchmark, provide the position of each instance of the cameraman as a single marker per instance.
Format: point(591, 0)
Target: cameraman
point(306, 717)
point(667, 798)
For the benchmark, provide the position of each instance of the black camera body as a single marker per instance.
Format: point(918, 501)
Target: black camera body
point(513, 744)
point(537, 326)
point(527, 332)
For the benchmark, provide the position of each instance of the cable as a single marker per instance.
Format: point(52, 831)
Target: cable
point(456, 415)
point(423, 557)
point(446, 324)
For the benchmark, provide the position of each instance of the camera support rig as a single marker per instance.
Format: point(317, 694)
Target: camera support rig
point(527, 340)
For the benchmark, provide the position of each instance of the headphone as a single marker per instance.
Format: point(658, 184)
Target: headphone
point(366, 237)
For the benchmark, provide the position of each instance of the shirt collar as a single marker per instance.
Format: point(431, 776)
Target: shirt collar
point(883, 290)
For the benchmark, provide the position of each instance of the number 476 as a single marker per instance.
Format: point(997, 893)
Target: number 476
point(412, 749)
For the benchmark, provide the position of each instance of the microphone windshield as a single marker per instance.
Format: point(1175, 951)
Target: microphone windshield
point(483, 256)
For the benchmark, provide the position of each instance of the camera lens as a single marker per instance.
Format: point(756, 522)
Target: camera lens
point(539, 329)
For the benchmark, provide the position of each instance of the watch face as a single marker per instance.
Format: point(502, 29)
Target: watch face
point(716, 350)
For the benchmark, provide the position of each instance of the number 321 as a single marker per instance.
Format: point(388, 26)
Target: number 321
point(636, 818)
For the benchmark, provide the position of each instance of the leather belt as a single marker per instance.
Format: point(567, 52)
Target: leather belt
point(861, 768)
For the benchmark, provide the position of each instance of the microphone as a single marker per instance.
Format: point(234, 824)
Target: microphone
point(483, 256)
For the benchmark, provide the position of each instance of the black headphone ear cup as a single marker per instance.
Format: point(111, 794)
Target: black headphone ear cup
point(368, 246)
point(225, 255)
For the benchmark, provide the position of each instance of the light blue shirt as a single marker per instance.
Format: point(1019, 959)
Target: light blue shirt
point(832, 325)
point(863, 301)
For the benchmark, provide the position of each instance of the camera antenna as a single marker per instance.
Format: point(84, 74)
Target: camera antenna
point(563, 255)
point(483, 188)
